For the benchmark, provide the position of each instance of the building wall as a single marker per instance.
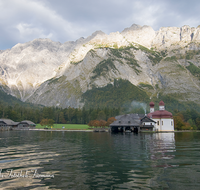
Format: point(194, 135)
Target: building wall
point(148, 123)
point(165, 124)
point(147, 128)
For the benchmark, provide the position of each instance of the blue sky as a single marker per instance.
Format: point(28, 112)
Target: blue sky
point(67, 20)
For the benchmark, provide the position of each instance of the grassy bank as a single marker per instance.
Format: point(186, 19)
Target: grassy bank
point(65, 126)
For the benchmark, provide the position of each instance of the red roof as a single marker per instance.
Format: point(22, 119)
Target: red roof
point(161, 103)
point(151, 104)
point(160, 114)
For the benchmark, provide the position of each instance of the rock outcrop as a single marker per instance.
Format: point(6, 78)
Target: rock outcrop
point(55, 74)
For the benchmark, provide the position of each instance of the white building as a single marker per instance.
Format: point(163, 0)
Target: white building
point(164, 119)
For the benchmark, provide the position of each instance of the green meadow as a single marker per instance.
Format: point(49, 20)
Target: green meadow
point(65, 126)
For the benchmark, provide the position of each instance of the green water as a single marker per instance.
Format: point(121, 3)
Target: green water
point(87, 160)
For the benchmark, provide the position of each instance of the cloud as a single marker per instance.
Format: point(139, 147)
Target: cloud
point(25, 20)
point(146, 13)
point(27, 30)
point(65, 20)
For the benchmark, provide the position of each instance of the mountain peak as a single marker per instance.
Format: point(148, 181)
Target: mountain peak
point(30, 68)
point(98, 32)
point(134, 27)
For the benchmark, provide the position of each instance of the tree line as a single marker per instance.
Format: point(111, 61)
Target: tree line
point(184, 120)
point(59, 115)
point(187, 120)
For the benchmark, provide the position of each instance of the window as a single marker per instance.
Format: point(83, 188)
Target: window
point(172, 123)
point(119, 121)
point(158, 123)
point(129, 122)
point(162, 122)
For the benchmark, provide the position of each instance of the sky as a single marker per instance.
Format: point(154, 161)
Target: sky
point(68, 20)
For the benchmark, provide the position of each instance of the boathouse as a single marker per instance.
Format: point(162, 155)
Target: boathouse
point(7, 124)
point(127, 123)
point(26, 123)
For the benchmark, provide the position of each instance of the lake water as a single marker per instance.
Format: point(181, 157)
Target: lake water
point(88, 160)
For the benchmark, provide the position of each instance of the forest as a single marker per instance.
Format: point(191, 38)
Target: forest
point(68, 115)
point(184, 120)
point(102, 104)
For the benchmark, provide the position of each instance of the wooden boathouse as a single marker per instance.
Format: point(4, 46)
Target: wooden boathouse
point(8, 124)
point(132, 123)
point(127, 123)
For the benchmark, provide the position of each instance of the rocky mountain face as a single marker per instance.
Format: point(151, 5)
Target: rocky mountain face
point(55, 74)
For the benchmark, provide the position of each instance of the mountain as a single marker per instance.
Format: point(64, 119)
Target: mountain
point(150, 63)
point(8, 100)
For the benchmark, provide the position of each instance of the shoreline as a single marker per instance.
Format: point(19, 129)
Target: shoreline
point(96, 130)
point(79, 130)
point(89, 130)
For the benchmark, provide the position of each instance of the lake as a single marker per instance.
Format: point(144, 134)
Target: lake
point(89, 160)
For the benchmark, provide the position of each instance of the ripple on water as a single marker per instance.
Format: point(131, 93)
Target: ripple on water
point(101, 160)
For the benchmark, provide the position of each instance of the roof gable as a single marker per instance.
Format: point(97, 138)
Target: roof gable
point(146, 119)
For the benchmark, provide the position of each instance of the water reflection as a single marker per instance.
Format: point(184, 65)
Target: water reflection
point(81, 160)
point(91, 160)
point(21, 158)
point(143, 156)
point(163, 146)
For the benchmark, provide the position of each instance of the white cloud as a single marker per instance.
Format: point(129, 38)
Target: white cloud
point(64, 20)
point(31, 19)
point(147, 13)
point(27, 30)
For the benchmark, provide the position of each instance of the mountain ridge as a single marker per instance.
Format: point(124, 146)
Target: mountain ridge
point(55, 74)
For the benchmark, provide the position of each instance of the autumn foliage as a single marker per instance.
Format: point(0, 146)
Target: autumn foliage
point(180, 124)
point(110, 120)
point(101, 123)
point(47, 122)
